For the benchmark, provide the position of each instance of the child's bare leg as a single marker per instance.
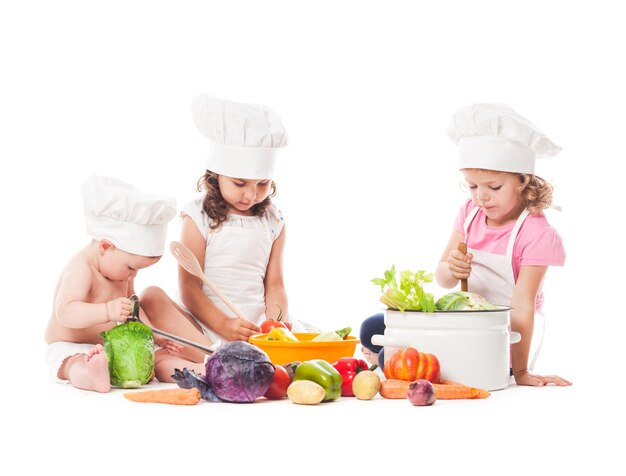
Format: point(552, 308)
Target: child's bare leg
point(165, 364)
point(88, 371)
point(166, 315)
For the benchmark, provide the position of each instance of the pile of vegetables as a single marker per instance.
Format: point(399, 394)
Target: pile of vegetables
point(282, 334)
point(405, 292)
point(416, 375)
point(463, 301)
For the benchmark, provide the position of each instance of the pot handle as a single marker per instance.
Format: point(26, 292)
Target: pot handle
point(391, 341)
point(515, 337)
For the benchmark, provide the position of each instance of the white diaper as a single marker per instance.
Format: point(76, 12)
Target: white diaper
point(58, 352)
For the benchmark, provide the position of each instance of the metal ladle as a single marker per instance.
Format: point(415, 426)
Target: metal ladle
point(135, 318)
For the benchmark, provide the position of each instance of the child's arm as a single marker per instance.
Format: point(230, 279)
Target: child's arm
point(453, 264)
point(197, 302)
point(274, 283)
point(71, 307)
point(522, 321)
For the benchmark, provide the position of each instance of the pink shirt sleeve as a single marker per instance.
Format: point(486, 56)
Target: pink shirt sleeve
point(538, 244)
point(462, 216)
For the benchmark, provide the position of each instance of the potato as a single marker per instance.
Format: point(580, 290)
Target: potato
point(305, 392)
point(366, 385)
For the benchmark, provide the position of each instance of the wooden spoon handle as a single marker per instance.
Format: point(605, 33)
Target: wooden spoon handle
point(189, 263)
point(222, 296)
point(463, 249)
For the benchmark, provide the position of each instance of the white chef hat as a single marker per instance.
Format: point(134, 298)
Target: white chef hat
point(244, 138)
point(117, 211)
point(495, 137)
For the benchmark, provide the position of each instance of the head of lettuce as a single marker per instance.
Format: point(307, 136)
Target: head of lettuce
point(130, 350)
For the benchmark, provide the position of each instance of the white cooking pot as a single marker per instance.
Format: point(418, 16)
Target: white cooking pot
point(473, 347)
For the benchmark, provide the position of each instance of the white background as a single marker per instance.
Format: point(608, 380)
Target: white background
point(366, 90)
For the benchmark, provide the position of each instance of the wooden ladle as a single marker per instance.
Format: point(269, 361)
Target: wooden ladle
point(463, 249)
point(190, 263)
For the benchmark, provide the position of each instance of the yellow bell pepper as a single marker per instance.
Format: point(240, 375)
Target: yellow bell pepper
point(281, 334)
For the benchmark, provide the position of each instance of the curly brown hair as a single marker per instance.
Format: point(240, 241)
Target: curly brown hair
point(535, 193)
point(216, 207)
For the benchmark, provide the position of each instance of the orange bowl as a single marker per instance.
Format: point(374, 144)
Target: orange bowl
point(284, 352)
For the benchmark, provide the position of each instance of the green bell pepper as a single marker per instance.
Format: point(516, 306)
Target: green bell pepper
point(323, 374)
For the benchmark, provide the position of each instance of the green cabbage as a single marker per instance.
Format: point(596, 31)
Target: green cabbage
point(463, 301)
point(130, 350)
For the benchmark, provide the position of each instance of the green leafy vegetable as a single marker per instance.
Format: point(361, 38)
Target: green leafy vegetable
point(337, 335)
point(463, 301)
point(130, 350)
point(407, 292)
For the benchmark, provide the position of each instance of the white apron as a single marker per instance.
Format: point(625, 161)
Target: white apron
point(236, 260)
point(492, 274)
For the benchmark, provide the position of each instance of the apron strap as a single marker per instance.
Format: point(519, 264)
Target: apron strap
point(468, 220)
point(518, 224)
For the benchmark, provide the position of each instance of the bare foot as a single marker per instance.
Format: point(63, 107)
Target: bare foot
point(92, 371)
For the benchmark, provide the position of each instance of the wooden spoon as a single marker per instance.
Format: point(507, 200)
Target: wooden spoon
point(190, 263)
point(463, 249)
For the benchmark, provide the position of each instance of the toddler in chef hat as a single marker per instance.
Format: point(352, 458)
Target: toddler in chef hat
point(128, 230)
point(234, 229)
point(510, 244)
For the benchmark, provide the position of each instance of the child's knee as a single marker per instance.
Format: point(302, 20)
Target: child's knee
point(152, 294)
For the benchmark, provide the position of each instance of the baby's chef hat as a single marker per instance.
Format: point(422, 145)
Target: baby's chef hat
point(495, 137)
point(244, 138)
point(134, 222)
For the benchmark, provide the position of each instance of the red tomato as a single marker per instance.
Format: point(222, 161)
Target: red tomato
point(280, 382)
point(269, 324)
point(288, 324)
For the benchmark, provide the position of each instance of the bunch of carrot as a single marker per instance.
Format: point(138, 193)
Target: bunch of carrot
point(445, 390)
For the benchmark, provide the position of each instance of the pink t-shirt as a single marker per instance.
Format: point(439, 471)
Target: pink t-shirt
point(537, 243)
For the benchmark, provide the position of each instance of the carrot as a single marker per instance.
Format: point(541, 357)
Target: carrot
point(174, 396)
point(394, 388)
point(448, 390)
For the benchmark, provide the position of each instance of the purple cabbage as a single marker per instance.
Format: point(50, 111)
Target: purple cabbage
point(239, 372)
point(189, 379)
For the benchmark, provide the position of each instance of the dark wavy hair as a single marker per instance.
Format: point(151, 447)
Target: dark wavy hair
point(216, 207)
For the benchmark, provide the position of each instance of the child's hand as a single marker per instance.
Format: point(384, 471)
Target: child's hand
point(460, 264)
point(524, 377)
point(239, 329)
point(169, 345)
point(119, 309)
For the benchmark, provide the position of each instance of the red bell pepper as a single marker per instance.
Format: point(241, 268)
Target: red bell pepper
point(348, 367)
